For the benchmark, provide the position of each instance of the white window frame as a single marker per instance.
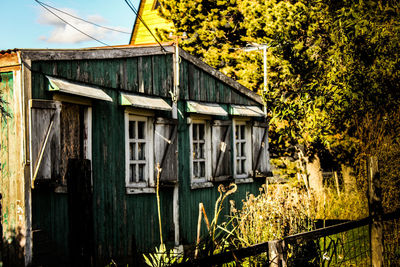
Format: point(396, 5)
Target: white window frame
point(243, 177)
point(146, 186)
point(204, 181)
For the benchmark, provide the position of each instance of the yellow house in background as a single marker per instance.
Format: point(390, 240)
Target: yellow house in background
point(149, 14)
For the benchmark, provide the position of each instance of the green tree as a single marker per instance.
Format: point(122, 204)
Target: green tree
point(330, 63)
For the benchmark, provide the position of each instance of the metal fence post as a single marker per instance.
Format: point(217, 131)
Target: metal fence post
point(375, 212)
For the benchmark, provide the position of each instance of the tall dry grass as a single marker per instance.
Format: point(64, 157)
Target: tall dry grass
point(278, 211)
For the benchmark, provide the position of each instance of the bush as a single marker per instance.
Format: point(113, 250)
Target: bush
point(278, 211)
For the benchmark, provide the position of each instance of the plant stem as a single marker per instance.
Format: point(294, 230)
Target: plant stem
point(158, 201)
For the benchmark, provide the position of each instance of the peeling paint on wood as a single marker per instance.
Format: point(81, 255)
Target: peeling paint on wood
point(12, 172)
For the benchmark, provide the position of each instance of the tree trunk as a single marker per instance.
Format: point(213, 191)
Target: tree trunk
point(349, 180)
point(314, 173)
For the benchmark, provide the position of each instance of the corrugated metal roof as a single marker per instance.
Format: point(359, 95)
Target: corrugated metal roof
point(246, 111)
point(65, 86)
point(147, 102)
point(205, 108)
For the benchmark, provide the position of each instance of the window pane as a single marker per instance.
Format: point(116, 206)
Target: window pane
point(201, 131)
point(201, 151)
point(243, 165)
point(194, 150)
point(202, 169)
point(238, 167)
point(237, 132)
point(141, 172)
point(132, 151)
point(132, 173)
point(237, 150)
point(132, 126)
point(195, 169)
point(197, 151)
point(243, 151)
point(242, 128)
point(194, 130)
point(141, 129)
point(141, 151)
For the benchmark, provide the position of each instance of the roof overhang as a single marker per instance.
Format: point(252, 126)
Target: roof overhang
point(146, 102)
point(132, 51)
point(205, 108)
point(67, 87)
point(246, 111)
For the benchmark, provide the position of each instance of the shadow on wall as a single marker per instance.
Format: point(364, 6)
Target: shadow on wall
point(11, 251)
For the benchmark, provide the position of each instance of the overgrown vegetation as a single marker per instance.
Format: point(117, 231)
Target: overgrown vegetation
point(278, 211)
point(332, 66)
point(333, 80)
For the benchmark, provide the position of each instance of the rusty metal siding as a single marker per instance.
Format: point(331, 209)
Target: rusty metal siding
point(11, 173)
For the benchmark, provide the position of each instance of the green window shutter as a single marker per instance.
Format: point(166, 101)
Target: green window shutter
point(221, 148)
point(45, 139)
point(261, 167)
point(166, 150)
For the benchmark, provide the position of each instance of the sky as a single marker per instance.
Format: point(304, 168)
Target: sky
point(26, 24)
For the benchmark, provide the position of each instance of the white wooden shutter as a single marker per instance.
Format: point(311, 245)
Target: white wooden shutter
point(221, 133)
point(261, 166)
point(166, 150)
point(45, 139)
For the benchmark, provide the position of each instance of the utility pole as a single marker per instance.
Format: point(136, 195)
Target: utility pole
point(175, 98)
point(176, 39)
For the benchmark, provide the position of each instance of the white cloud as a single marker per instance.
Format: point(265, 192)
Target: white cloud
point(63, 33)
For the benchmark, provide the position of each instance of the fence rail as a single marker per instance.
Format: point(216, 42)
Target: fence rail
point(345, 244)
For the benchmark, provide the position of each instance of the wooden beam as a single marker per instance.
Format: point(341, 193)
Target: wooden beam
point(93, 53)
point(376, 212)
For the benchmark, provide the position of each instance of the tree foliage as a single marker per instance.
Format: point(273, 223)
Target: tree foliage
point(329, 64)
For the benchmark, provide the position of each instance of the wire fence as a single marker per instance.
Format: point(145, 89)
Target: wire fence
point(350, 248)
point(345, 244)
point(391, 241)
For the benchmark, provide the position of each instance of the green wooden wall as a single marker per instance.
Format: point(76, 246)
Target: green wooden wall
point(152, 75)
point(199, 85)
point(124, 223)
point(121, 221)
point(190, 198)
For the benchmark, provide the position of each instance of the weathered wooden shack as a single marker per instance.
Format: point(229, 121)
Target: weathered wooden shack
point(88, 132)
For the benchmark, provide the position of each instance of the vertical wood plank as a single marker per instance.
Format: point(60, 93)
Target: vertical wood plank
point(202, 89)
point(192, 82)
point(156, 70)
point(376, 211)
point(184, 92)
point(147, 75)
point(169, 65)
point(132, 74)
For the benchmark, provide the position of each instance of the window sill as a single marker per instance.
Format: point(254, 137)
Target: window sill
point(244, 180)
point(138, 190)
point(225, 178)
point(200, 185)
